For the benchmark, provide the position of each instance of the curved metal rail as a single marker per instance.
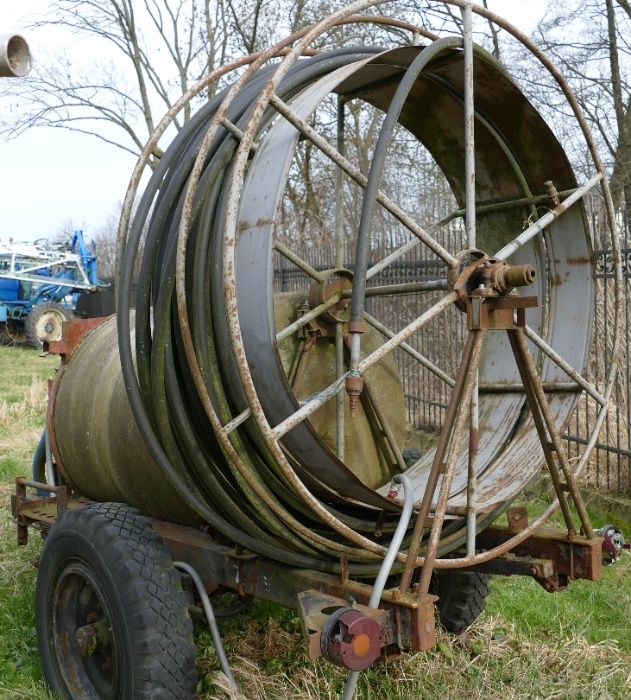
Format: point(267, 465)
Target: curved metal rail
point(255, 469)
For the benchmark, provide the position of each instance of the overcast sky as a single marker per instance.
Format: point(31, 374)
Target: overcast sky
point(51, 176)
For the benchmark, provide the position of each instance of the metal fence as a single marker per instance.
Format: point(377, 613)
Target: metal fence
point(427, 397)
point(610, 461)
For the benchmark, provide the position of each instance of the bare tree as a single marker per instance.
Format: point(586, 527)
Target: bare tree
point(590, 41)
point(153, 51)
point(149, 52)
point(105, 243)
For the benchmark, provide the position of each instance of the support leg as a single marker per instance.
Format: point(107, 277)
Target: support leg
point(462, 414)
point(543, 417)
point(437, 464)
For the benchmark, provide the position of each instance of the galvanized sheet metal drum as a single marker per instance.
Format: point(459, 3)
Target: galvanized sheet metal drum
point(303, 505)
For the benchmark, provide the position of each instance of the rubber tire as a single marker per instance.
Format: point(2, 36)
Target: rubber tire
point(30, 322)
point(149, 614)
point(461, 598)
point(5, 338)
point(12, 336)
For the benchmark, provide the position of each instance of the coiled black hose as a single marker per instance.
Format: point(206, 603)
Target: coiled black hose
point(158, 379)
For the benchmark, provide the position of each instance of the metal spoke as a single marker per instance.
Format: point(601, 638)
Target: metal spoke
point(470, 227)
point(372, 359)
point(547, 218)
point(469, 125)
point(297, 261)
point(565, 366)
point(309, 316)
point(407, 247)
point(409, 288)
point(406, 332)
point(357, 176)
point(504, 204)
point(236, 422)
point(236, 132)
point(428, 364)
point(392, 257)
point(340, 435)
point(456, 214)
point(548, 387)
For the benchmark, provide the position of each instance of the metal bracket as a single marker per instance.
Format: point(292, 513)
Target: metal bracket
point(407, 623)
point(73, 332)
point(498, 313)
point(28, 510)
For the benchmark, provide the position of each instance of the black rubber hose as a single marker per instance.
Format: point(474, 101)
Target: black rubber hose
point(157, 377)
point(378, 161)
point(184, 486)
point(38, 469)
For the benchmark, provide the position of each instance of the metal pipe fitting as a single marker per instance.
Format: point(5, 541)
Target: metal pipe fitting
point(519, 275)
point(15, 56)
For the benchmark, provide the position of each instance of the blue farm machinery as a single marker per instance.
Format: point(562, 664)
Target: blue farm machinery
point(247, 421)
point(40, 284)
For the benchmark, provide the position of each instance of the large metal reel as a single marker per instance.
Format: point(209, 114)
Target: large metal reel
point(219, 230)
point(514, 157)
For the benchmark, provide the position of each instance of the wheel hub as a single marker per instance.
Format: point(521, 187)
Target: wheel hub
point(333, 282)
point(86, 651)
point(93, 637)
point(50, 326)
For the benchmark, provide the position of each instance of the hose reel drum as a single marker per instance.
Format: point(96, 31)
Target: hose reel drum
point(276, 419)
point(216, 348)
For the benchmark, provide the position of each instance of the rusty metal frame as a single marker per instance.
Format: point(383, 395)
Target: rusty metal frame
point(271, 434)
point(231, 225)
point(406, 620)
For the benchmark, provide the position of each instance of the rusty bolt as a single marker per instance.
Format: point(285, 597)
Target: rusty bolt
point(552, 192)
point(354, 386)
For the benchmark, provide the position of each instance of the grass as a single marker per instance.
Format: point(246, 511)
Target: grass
point(23, 377)
point(528, 643)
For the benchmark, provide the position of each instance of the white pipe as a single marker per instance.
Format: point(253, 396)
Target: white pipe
point(386, 566)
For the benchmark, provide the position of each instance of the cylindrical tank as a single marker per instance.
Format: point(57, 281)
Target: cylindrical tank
point(105, 457)
point(99, 446)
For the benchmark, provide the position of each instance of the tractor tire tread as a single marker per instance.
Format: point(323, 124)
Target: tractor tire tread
point(462, 598)
point(30, 322)
point(163, 651)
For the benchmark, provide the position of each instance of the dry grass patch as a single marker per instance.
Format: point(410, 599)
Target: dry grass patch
point(491, 662)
